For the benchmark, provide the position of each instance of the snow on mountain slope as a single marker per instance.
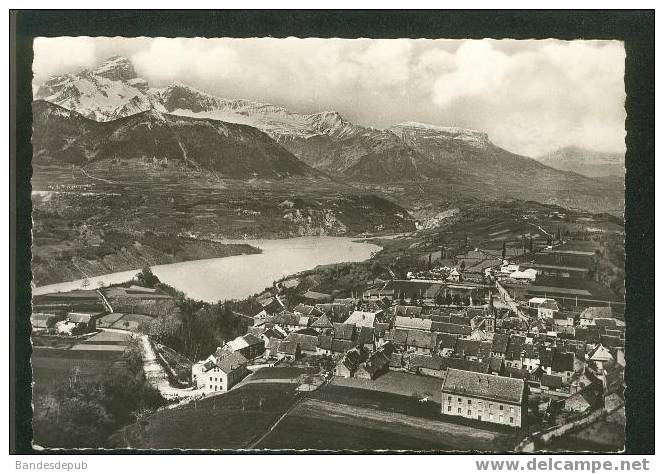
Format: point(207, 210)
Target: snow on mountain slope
point(109, 92)
point(415, 130)
point(276, 121)
point(113, 90)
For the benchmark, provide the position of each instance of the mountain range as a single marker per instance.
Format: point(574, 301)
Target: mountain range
point(233, 150)
point(586, 162)
point(117, 114)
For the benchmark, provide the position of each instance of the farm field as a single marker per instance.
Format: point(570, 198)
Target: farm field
point(307, 428)
point(323, 425)
point(397, 383)
point(217, 422)
point(110, 337)
point(286, 373)
point(52, 365)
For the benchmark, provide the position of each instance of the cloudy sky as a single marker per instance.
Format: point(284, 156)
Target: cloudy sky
point(531, 97)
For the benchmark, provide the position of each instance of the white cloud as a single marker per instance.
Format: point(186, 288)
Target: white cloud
point(61, 55)
point(551, 94)
point(175, 59)
point(479, 69)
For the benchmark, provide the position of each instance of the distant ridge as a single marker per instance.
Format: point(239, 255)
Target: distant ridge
point(586, 162)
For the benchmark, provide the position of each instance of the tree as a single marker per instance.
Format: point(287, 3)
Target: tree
point(146, 278)
point(440, 299)
point(504, 252)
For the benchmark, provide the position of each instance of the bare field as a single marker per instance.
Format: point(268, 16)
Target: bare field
point(217, 422)
point(400, 383)
point(317, 424)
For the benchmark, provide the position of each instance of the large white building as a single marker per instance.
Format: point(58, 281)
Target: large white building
point(484, 397)
point(219, 372)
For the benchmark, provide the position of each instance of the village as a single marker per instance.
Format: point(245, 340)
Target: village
point(492, 342)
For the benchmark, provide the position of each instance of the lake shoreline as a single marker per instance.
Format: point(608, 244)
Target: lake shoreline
point(49, 268)
point(240, 276)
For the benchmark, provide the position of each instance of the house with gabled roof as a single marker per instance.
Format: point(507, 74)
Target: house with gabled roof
point(564, 364)
point(551, 382)
point(307, 310)
point(376, 364)
point(451, 328)
point(341, 346)
point(85, 321)
point(399, 338)
point(344, 331)
point(588, 399)
point(364, 337)
point(362, 318)
point(336, 311)
point(421, 342)
point(288, 350)
point(349, 364)
point(248, 345)
point(290, 321)
point(307, 344)
point(499, 345)
point(272, 347)
point(588, 316)
point(322, 323)
point(324, 346)
point(381, 332)
point(220, 371)
point(407, 311)
point(588, 334)
point(446, 344)
point(270, 304)
point(484, 397)
point(403, 322)
point(600, 355)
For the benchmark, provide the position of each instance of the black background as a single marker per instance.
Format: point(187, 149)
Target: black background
point(635, 27)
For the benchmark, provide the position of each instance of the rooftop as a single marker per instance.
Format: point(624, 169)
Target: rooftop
point(493, 387)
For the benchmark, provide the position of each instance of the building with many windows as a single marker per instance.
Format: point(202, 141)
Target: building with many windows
point(220, 371)
point(484, 397)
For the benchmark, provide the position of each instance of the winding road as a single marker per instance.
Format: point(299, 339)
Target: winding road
point(156, 375)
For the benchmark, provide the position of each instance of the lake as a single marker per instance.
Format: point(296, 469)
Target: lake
point(240, 276)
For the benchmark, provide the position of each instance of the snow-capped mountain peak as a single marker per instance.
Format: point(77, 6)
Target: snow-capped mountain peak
point(425, 130)
point(113, 90)
point(110, 91)
point(116, 68)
